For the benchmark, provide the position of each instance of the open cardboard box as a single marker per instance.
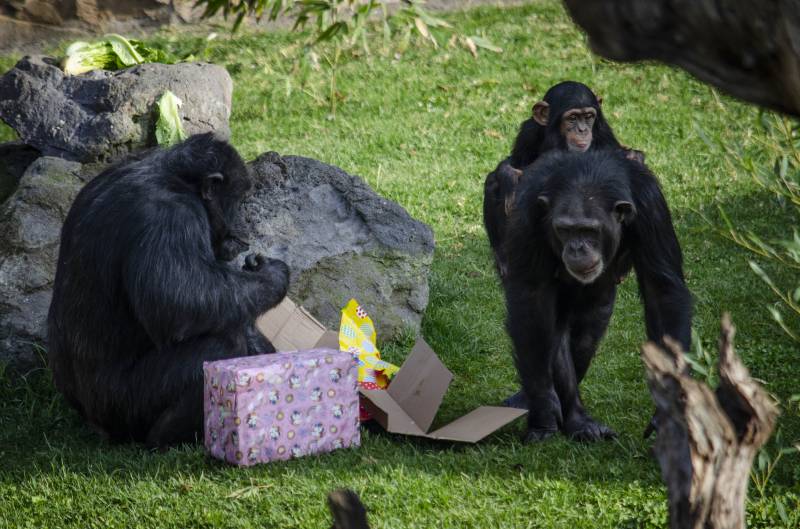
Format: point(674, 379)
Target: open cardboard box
point(291, 328)
point(411, 401)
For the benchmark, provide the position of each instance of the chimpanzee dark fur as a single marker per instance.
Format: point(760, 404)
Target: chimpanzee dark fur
point(534, 139)
point(142, 296)
point(567, 204)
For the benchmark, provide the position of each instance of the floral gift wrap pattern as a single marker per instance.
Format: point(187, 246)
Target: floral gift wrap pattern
point(279, 406)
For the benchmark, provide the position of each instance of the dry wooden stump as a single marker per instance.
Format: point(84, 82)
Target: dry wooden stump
point(707, 439)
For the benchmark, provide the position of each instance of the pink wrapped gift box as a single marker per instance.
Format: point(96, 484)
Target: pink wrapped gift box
point(279, 406)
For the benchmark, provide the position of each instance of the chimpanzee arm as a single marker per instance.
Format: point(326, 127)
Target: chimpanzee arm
point(498, 197)
point(492, 204)
point(176, 287)
point(658, 262)
point(531, 295)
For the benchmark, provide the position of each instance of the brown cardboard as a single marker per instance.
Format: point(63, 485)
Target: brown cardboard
point(420, 385)
point(413, 398)
point(410, 403)
point(291, 328)
point(477, 424)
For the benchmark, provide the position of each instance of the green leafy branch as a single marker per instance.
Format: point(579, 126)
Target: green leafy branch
point(348, 20)
point(775, 166)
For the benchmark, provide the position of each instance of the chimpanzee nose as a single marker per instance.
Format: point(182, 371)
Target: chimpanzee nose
point(577, 249)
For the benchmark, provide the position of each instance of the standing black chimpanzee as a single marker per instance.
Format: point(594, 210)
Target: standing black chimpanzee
point(579, 222)
point(569, 118)
point(142, 294)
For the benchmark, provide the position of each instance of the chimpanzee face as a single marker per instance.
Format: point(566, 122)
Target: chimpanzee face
point(223, 194)
point(586, 232)
point(576, 128)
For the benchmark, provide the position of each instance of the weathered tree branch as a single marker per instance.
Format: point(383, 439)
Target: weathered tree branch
point(748, 49)
point(347, 510)
point(706, 440)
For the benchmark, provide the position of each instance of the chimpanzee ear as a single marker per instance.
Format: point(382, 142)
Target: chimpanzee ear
point(210, 181)
point(543, 202)
point(624, 211)
point(599, 100)
point(541, 112)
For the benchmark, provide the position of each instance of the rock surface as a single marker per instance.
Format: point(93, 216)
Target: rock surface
point(101, 115)
point(15, 157)
point(341, 240)
point(339, 237)
point(30, 227)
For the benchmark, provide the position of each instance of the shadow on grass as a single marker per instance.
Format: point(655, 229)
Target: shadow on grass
point(40, 435)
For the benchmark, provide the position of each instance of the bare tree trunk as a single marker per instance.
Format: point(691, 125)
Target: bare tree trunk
point(707, 440)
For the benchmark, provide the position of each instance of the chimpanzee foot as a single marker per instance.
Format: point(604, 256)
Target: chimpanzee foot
point(517, 400)
point(584, 428)
point(181, 422)
point(544, 416)
point(534, 435)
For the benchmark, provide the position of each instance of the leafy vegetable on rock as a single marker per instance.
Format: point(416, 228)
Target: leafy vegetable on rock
point(112, 52)
point(169, 129)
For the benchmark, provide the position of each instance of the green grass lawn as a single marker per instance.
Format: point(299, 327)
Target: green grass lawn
point(424, 129)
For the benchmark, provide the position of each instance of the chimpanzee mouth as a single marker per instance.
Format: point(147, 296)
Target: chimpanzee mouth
point(578, 145)
point(581, 146)
point(587, 275)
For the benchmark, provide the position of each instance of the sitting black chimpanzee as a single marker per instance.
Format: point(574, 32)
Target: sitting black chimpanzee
point(142, 294)
point(580, 221)
point(569, 118)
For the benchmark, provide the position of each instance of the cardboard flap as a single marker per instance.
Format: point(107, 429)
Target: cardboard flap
point(290, 328)
point(329, 340)
point(477, 424)
point(420, 385)
point(388, 413)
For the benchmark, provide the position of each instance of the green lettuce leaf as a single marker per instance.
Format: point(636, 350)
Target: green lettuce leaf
point(169, 129)
point(112, 52)
point(126, 54)
point(84, 57)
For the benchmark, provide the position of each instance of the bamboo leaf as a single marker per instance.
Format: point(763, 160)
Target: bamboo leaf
point(470, 44)
point(761, 273)
point(422, 28)
point(485, 44)
point(238, 22)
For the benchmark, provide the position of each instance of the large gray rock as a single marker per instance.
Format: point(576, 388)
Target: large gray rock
point(339, 237)
point(101, 115)
point(30, 226)
point(15, 157)
point(341, 240)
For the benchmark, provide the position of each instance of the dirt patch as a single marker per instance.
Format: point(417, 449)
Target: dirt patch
point(31, 26)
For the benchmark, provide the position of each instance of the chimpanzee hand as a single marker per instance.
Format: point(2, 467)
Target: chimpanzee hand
point(255, 262)
point(633, 154)
point(230, 248)
point(276, 270)
point(652, 426)
point(257, 343)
